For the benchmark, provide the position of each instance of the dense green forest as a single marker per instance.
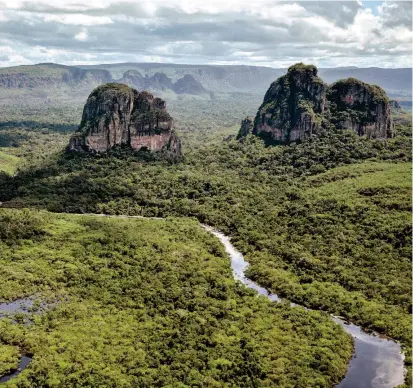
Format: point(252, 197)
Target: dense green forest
point(149, 303)
point(325, 223)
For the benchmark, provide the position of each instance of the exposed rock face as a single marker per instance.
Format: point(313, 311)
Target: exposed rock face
point(299, 104)
point(52, 75)
point(361, 107)
point(160, 81)
point(117, 115)
point(188, 85)
point(293, 106)
point(246, 127)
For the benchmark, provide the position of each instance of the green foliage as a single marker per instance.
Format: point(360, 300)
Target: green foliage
point(21, 224)
point(153, 303)
point(311, 70)
point(112, 86)
point(324, 222)
point(378, 93)
point(8, 163)
point(9, 358)
point(20, 147)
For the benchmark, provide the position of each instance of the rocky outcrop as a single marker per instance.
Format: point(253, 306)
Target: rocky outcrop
point(188, 85)
point(160, 81)
point(360, 107)
point(395, 106)
point(117, 115)
point(135, 79)
point(299, 104)
point(247, 126)
point(293, 106)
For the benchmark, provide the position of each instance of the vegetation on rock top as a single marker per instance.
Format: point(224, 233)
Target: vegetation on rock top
point(299, 104)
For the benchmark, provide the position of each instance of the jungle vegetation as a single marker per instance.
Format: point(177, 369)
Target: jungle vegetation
point(325, 223)
point(148, 303)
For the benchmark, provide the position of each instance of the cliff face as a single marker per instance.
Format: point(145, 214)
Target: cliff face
point(159, 81)
point(293, 106)
point(51, 75)
point(299, 104)
point(117, 115)
point(361, 107)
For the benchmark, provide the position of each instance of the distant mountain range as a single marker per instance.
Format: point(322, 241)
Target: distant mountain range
point(189, 79)
point(257, 78)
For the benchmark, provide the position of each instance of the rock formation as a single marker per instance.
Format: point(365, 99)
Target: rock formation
point(117, 115)
point(246, 127)
point(361, 107)
point(188, 85)
point(160, 81)
point(293, 106)
point(299, 104)
point(46, 75)
point(395, 106)
point(135, 79)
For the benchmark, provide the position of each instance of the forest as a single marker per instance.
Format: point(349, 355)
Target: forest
point(132, 302)
point(325, 223)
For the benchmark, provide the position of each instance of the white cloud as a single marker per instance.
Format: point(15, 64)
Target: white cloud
point(82, 36)
point(265, 32)
point(79, 19)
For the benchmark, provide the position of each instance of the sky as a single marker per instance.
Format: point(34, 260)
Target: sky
point(256, 32)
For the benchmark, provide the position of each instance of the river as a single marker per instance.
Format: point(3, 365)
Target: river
point(377, 362)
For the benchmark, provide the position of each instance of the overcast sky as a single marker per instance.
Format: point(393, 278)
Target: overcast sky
point(256, 32)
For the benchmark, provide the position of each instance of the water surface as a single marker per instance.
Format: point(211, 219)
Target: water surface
point(376, 363)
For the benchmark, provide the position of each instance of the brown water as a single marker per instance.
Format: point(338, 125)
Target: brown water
point(376, 363)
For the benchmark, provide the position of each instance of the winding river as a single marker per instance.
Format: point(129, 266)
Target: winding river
point(376, 363)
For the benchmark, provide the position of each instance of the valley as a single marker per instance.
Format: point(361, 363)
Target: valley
point(324, 222)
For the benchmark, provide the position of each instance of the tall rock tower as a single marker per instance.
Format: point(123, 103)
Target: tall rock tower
point(300, 104)
point(117, 115)
point(293, 106)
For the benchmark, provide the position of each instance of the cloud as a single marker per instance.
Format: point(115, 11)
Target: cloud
point(78, 19)
point(82, 36)
point(262, 32)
